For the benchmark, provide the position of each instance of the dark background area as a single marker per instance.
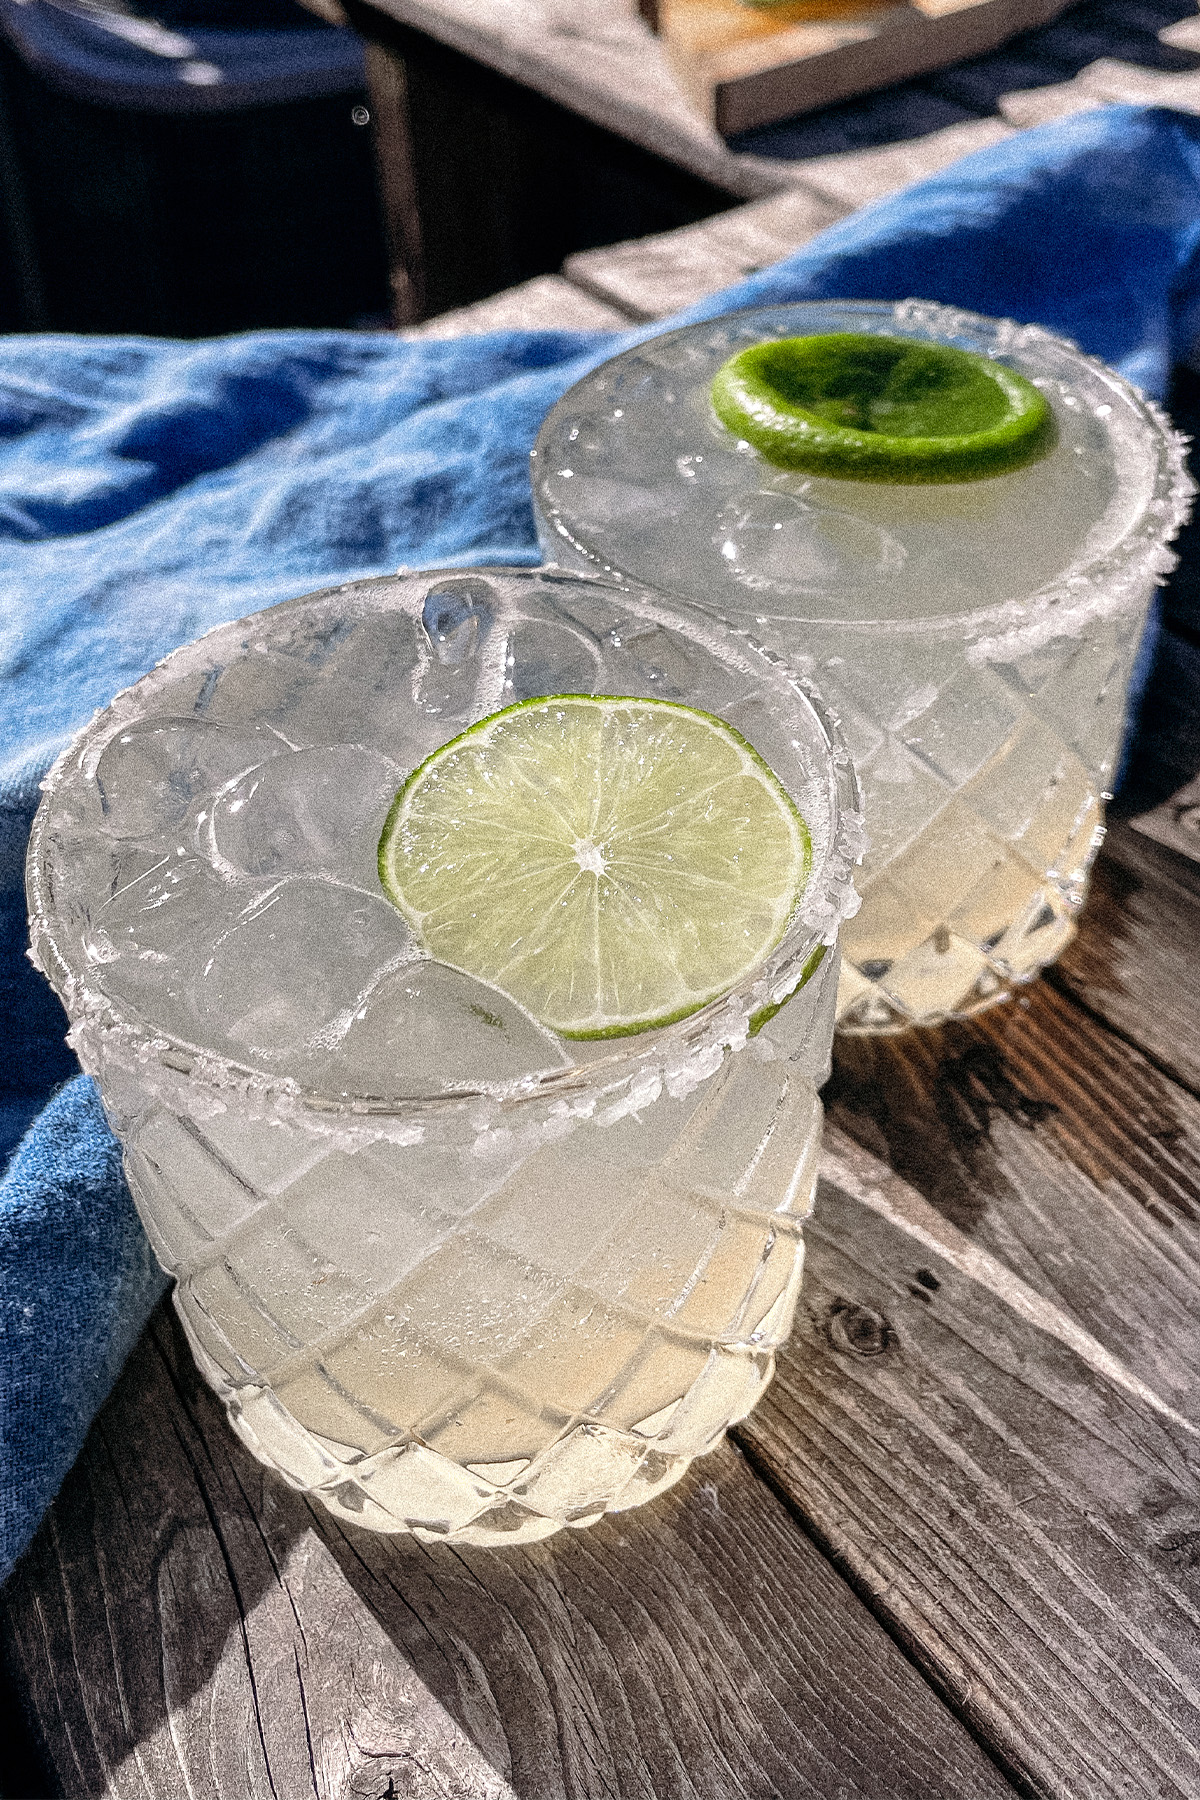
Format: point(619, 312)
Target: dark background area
point(183, 225)
point(311, 212)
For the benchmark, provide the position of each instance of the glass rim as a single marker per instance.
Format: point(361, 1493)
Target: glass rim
point(1007, 628)
point(676, 1056)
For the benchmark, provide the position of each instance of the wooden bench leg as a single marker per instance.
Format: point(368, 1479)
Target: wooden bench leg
point(486, 184)
point(387, 90)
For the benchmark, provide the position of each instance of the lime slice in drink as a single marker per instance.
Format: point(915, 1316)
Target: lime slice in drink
point(613, 864)
point(865, 408)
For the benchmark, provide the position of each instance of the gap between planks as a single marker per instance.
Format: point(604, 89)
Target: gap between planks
point(846, 1166)
point(999, 1455)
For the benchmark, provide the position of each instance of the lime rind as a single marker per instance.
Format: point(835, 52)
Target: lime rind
point(765, 1014)
point(857, 407)
point(411, 883)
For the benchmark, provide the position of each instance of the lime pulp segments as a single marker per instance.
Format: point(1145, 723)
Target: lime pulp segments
point(863, 408)
point(613, 864)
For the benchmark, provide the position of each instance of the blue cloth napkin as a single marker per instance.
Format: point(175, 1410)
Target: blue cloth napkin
point(149, 490)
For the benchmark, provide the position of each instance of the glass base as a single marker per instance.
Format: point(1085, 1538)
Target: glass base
point(959, 975)
point(409, 1488)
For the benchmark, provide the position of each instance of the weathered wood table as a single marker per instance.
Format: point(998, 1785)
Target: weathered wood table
point(954, 1555)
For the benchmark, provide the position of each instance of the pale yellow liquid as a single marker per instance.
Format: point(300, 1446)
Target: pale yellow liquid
point(490, 1350)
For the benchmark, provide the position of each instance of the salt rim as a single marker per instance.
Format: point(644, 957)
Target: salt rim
point(675, 1058)
point(1065, 606)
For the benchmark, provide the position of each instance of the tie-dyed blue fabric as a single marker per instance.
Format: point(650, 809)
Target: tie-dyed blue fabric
point(150, 489)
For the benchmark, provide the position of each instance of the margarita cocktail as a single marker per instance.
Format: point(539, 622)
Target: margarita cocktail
point(955, 525)
point(455, 957)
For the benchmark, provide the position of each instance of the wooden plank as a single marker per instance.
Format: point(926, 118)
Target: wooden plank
point(1184, 34)
point(391, 135)
point(547, 303)
point(741, 69)
point(856, 177)
point(983, 82)
point(649, 278)
point(1175, 822)
point(184, 1624)
point(496, 183)
point(1062, 1151)
point(330, 10)
point(1089, 32)
point(1105, 82)
point(1134, 962)
point(599, 61)
point(1027, 107)
point(1026, 1525)
point(993, 1426)
point(1130, 85)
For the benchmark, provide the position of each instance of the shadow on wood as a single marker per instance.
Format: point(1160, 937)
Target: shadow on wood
point(1018, 1495)
point(183, 1623)
point(1061, 1150)
point(1134, 963)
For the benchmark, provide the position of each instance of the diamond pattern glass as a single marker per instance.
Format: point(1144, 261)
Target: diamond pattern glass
point(976, 640)
point(448, 1273)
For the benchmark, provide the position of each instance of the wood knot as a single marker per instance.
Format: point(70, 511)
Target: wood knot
point(859, 1330)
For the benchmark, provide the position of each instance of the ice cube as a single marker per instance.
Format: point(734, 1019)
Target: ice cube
point(151, 774)
point(145, 939)
point(315, 812)
point(462, 671)
point(275, 670)
point(291, 974)
point(773, 540)
point(427, 1027)
point(554, 659)
point(334, 674)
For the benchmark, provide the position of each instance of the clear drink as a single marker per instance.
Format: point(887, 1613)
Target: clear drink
point(449, 1271)
point(975, 638)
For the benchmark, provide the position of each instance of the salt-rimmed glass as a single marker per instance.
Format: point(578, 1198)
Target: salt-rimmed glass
point(976, 640)
point(448, 1273)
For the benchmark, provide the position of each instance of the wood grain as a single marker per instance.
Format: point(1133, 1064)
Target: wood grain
point(1061, 1150)
point(547, 303)
point(1134, 963)
point(748, 71)
point(185, 1625)
point(391, 134)
point(1027, 1530)
point(495, 183)
point(600, 63)
point(1175, 821)
point(653, 277)
point(989, 1414)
